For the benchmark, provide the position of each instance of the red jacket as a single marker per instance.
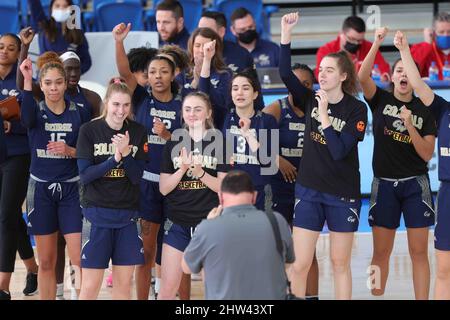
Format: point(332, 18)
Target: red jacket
point(424, 53)
point(358, 58)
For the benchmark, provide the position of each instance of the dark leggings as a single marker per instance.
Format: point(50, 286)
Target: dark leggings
point(13, 230)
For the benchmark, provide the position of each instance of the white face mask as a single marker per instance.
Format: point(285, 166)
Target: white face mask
point(61, 15)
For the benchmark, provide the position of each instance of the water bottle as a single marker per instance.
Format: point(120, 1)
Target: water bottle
point(446, 71)
point(433, 72)
point(376, 73)
point(266, 81)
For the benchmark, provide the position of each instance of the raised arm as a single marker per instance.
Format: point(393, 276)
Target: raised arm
point(292, 83)
point(420, 87)
point(26, 36)
point(28, 107)
point(120, 32)
point(424, 146)
point(365, 72)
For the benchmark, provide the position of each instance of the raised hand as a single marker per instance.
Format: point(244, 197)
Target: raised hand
point(380, 35)
point(27, 69)
point(209, 50)
point(26, 35)
point(120, 31)
point(288, 22)
point(400, 41)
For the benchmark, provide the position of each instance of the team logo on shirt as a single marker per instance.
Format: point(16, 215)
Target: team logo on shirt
point(12, 92)
point(215, 82)
point(263, 60)
point(233, 67)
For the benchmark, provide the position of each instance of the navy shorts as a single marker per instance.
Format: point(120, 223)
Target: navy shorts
point(311, 215)
point(151, 202)
point(53, 207)
point(176, 235)
point(442, 230)
point(122, 246)
point(412, 197)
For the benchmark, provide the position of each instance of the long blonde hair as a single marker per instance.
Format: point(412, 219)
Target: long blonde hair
point(116, 84)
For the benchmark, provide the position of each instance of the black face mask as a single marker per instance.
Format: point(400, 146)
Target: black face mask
point(351, 47)
point(248, 36)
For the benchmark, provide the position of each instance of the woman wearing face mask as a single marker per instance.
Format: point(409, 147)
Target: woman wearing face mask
point(404, 136)
point(54, 34)
point(328, 181)
point(14, 174)
point(438, 50)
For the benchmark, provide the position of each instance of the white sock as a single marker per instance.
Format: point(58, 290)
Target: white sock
point(60, 289)
point(157, 284)
point(378, 297)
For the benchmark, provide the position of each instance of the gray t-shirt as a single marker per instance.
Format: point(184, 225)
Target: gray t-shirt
point(239, 256)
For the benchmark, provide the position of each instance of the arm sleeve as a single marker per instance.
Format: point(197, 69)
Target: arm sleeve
point(28, 110)
point(294, 86)
point(85, 56)
point(90, 171)
point(357, 121)
point(220, 96)
point(17, 127)
point(339, 145)
point(133, 168)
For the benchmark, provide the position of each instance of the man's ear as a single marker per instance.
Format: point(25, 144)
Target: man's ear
point(255, 195)
point(180, 24)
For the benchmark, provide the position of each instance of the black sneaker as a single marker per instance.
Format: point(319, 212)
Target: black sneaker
point(31, 286)
point(5, 295)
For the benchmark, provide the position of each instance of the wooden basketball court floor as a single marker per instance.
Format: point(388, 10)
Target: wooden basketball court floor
point(399, 283)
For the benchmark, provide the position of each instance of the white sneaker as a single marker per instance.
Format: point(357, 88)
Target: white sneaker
point(73, 294)
point(60, 291)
